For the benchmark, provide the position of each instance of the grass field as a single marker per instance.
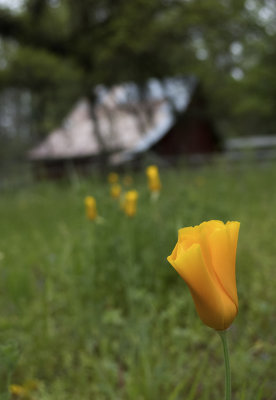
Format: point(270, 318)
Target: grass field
point(94, 311)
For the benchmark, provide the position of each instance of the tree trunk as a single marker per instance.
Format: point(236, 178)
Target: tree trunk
point(102, 145)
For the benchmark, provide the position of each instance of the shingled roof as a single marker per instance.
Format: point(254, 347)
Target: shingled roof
point(129, 119)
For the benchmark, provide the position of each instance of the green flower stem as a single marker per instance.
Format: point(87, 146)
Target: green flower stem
point(223, 335)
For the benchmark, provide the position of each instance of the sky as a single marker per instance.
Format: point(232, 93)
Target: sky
point(13, 4)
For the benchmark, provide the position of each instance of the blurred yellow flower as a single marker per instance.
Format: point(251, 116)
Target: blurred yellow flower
point(115, 190)
point(127, 180)
point(113, 177)
point(205, 257)
point(130, 204)
point(91, 208)
point(25, 391)
point(154, 183)
point(18, 391)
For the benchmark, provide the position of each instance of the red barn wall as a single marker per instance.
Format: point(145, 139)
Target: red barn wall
point(193, 133)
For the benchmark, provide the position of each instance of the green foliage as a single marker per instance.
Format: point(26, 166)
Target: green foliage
point(36, 65)
point(55, 85)
point(94, 311)
point(9, 354)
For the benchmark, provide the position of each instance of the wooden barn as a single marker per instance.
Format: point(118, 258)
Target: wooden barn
point(165, 117)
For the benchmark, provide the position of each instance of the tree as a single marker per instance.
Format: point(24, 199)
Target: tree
point(61, 49)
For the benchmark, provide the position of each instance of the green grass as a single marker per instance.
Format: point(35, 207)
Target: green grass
point(94, 311)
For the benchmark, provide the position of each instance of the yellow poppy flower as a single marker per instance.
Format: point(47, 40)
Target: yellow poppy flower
point(115, 190)
point(205, 257)
point(130, 205)
point(154, 183)
point(128, 180)
point(113, 177)
point(152, 171)
point(91, 208)
point(18, 391)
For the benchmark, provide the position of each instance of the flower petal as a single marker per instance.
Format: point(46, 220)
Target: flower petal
point(213, 306)
point(223, 244)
